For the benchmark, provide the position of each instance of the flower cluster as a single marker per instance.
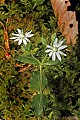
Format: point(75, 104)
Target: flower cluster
point(54, 51)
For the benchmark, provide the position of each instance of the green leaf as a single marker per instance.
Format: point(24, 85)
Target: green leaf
point(35, 81)
point(43, 40)
point(28, 48)
point(28, 59)
point(57, 62)
point(39, 103)
point(38, 1)
point(34, 50)
point(53, 38)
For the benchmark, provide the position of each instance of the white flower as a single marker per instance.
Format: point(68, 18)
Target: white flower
point(20, 37)
point(55, 50)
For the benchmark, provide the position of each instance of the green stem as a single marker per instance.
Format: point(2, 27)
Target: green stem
point(36, 59)
point(44, 59)
point(41, 79)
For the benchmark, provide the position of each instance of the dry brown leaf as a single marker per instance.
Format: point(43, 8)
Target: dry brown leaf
point(66, 20)
point(22, 68)
point(2, 1)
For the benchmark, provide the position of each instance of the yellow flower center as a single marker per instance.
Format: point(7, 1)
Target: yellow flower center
point(22, 36)
point(54, 49)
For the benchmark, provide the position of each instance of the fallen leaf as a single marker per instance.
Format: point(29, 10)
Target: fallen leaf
point(66, 20)
point(2, 1)
point(22, 68)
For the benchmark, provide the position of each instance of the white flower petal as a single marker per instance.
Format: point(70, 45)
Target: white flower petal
point(48, 50)
point(20, 41)
point(55, 42)
point(13, 37)
point(27, 33)
point(54, 56)
point(26, 39)
point(48, 46)
point(19, 31)
point(25, 42)
point(62, 53)
point(50, 54)
point(30, 35)
point(58, 56)
point(60, 43)
point(17, 35)
point(62, 47)
point(16, 40)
